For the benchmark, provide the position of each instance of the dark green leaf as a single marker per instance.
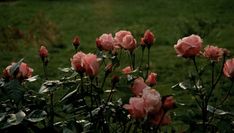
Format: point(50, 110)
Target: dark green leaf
point(36, 116)
point(49, 86)
point(68, 95)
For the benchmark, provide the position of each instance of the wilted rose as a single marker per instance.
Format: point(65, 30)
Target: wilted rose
point(138, 86)
point(105, 42)
point(91, 64)
point(76, 62)
point(136, 107)
point(213, 53)
point(228, 69)
point(151, 79)
point(188, 46)
point(152, 100)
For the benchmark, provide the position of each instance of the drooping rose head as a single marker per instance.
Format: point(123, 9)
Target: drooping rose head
point(158, 120)
point(105, 42)
point(76, 62)
point(188, 46)
point(168, 102)
point(24, 71)
point(43, 52)
point(129, 43)
point(213, 53)
point(76, 42)
point(148, 38)
point(138, 86)
point(120, 35)
point(152, 100)
point(91, 64)
point(228, 69)
point(127, 70)
point(151, 79)
point(136, 107)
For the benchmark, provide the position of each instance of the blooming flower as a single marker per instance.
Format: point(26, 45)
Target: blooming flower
point(228, 69)
point(105, 42)
point(91, 64)
point(151, 79)
point(120, 35)
point(188, 46)
point(76, 62)
point(129, 43)
point(152, 100)
point(213, 53)
point(136, 107)
point(138, 86)
point(43, 52)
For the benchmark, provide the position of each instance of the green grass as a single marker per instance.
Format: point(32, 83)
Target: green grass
point(168, 20)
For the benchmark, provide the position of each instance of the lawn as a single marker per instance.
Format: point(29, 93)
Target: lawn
point(56, 22)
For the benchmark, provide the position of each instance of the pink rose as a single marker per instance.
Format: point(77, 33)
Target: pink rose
point(188, 46)
point(151, 79)
point(129, 43)
point(136, 107)
point(91, 64)
point(168, 102)
point(120, 35)
point(76, 62)
point(213, 53)
point(24, 71)
point(43, 52)
point(228, 69)
point(148, 38)
point(156, 118)
point(105, 42)
point(152, 100)
point(127, 70)
point(138, 86)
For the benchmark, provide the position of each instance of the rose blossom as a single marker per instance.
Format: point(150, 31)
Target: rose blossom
point(151, 79)
point(228, 69)
point(213, 53)
point(43, 52)
point(129, 43)
point(120, 35)
point(157, 118)
point(152, 100)
point(105, 42)
point(23, 72)
point(148, 38)
point(138, 86)
point(188, 46)
point(127, 70)
point(136, 107)
point(76, 62)
point(91, 64)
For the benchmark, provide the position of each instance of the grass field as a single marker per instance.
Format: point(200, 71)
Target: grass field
point(168, 20)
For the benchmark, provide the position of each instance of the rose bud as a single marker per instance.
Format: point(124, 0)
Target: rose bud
point(148, 38)
point(127, 70)
point(43, 52)
point(228, 69)
point(213, 53)
point(188, 47)
point(76, 42)
point(151, 79)
point(168, 102)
